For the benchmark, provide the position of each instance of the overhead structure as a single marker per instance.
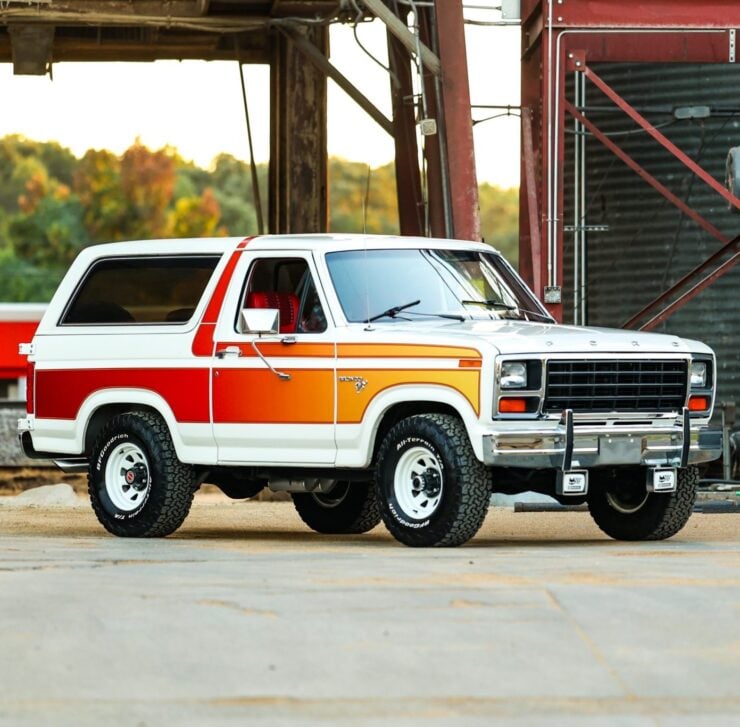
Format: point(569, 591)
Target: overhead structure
point(431, 121)
point(570, 50)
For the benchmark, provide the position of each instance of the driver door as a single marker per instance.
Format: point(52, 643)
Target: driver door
point(260, 416)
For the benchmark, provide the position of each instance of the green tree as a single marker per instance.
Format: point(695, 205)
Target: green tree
point(354, 208)
point(196, 217)
point(23, 282)
point(148, 181)
point(97, 183)
point(499, 217)
point(51, 234)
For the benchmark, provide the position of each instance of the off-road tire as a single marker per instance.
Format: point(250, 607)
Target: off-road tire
point(172, 483)
point(661, 515)
point(348, 509)
point(466, 483)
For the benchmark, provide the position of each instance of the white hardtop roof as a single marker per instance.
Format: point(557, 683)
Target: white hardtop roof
point(324, 242)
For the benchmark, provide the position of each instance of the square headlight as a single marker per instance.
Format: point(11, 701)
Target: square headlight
point(513, 375)
point(698, 374)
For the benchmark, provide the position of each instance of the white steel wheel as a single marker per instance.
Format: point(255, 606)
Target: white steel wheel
point(418, 483)
point(127, 477)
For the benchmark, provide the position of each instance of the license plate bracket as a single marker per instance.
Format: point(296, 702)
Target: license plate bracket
point(662, 479)
point(572, 482)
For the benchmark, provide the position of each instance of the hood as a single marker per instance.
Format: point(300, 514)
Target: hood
point(525, 337)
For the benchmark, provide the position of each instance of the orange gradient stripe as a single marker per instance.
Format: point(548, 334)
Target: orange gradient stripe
point(276, 349)
point(353, 404)
point(258, 396)
point(404, 350)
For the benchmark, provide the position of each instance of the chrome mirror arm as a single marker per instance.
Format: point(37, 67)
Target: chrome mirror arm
point(280, 374)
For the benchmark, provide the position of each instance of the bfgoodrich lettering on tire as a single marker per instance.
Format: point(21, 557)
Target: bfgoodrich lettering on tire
point(137, 486)
point(432, 489)
point(623, 508)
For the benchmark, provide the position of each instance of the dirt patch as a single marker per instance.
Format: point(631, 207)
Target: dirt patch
point(18, 479)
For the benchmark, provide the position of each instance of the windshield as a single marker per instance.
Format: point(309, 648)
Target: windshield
point(387, 285)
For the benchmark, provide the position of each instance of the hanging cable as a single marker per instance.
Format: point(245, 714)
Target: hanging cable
point(252, 165)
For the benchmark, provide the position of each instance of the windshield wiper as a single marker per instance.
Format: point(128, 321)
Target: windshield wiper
point(451, 316)
point(495, 304)
point(490, 304)
point(393, 312)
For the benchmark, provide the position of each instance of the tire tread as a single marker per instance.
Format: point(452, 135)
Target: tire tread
point(473, 479)
point(177, 488)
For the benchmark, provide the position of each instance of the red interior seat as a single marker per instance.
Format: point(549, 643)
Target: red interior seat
point(286, 303)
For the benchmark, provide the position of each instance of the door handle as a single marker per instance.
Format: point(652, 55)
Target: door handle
point(229, 352)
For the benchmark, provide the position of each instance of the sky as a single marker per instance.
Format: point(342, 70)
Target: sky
point(196, 106)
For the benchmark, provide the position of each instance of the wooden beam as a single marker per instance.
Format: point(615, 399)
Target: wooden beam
point(319, 60)
point(298, 175)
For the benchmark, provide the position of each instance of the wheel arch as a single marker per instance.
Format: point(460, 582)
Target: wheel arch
point(100, 407)
point(403, 402)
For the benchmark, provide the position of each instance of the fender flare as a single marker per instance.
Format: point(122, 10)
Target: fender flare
point(125, 396)
point(409, 393)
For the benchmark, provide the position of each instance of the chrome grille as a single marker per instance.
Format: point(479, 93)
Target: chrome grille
point(618, 385)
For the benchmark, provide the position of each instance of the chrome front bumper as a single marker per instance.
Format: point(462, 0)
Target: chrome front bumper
point(565, 446)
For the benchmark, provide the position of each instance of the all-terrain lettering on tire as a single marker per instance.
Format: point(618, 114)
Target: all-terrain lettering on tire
point(433, 491)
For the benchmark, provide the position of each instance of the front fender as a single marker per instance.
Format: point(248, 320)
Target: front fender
point(356, 442)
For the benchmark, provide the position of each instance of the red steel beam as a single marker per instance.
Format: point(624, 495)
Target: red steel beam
point(649, 178)
point(732, 246)
point(660, 138)
point(680, 14)
point(530, 179)
point(408, 177)
point(458, 122)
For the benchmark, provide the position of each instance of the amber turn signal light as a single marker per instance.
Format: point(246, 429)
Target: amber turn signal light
point(511, 405)
point(698, 403)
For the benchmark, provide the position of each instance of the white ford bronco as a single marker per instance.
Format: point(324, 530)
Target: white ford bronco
point(373, 378)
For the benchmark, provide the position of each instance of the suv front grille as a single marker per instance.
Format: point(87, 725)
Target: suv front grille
point(616, 386)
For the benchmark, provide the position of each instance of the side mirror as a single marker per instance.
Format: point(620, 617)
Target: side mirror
point(260, 321)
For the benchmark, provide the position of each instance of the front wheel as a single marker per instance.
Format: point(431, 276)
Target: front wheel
point(623, 508)
point(138, 487)
point(349, 508)
point(433, 491)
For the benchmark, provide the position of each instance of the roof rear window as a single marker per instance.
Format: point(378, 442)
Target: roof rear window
point(140, 290)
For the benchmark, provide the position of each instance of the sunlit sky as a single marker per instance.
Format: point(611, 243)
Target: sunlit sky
point(196, 106)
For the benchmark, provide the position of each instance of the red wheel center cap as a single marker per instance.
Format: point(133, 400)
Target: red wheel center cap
point(130, 476)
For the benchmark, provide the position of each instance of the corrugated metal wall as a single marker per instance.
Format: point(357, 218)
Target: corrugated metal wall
point(649, 244)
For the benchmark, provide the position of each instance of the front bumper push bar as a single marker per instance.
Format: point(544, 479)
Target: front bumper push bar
point(568, 445)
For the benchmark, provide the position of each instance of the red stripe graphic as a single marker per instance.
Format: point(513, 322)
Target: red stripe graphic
point(60, 393)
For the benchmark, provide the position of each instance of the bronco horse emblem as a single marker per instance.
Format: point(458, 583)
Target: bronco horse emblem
point(358, 381)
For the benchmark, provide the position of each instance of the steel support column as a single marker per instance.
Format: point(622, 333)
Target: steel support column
point(408, 177)
point(458, 124)
point(298, 157)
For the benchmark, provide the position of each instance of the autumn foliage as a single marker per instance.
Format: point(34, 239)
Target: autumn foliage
point(53, 204)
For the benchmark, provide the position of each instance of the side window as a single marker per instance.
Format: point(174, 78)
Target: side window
point(286, 284)
point(142, 290)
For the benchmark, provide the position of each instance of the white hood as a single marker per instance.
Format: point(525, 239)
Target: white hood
point(513, 337)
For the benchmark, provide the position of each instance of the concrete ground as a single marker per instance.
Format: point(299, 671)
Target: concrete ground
point(245, 616)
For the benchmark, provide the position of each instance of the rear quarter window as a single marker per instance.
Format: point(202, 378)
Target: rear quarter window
point(140, 290)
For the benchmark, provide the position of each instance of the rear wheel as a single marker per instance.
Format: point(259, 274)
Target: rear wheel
point(138, 487)
point(348, 508)
point(622, 507)
point(433, 490)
